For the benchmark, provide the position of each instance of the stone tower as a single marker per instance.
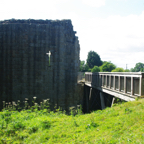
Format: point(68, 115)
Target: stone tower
point(24, 66)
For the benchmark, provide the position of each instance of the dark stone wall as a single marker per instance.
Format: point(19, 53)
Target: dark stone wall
point(24, 65)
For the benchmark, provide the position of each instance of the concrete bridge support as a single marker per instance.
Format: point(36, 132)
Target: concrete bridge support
point(96, 100)
point(86, 99)
point(104, 87)
point(106, 100)
point(102, 100)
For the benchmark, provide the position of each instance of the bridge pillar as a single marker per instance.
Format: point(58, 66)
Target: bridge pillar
point(113, 98)
point(86, 99)
point(89, 100)
point(102, 100)
point(106, 100)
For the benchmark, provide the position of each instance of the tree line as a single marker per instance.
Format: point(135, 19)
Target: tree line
point(95, 64)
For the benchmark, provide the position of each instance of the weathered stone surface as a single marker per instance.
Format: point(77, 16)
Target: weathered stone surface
point(24, 65)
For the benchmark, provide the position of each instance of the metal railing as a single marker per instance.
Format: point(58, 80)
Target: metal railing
point(128, 83)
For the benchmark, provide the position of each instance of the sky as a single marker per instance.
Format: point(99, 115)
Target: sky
point(112, 28)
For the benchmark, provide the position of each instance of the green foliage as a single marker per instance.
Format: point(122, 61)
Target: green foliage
point(86, 67)
point(45, 124)
point(83, 67)
point(95, 69)
point(118, 70)
point(132, 70)
point(127, 70)
point(103, 62)
point(138, 67)
point(93, 59)
point(89, 70)
point(122, 123)
point(107, 67)
point(82, 64)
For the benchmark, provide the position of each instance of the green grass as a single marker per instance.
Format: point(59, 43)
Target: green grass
point(122, 124)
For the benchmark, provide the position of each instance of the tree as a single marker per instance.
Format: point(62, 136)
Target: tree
point(93, 59)
point(86, 67)
point(139, 67)
point(89, 70)
point(132, 70)
point(107, 67)
point(83, 67)
point(82, 64)
point(118, 70)
point(127, 70)
point(103, 62)
point(95, 69)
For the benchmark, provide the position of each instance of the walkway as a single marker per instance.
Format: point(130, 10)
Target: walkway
point(124, 85)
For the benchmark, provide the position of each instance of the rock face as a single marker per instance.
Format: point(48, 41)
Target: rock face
point(24, 65)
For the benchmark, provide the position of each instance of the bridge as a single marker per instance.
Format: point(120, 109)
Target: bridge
point(126, 86)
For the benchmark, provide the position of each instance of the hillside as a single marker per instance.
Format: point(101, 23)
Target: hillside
point(123, 123)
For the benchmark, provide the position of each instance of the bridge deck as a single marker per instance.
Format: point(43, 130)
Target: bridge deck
point(124, 85)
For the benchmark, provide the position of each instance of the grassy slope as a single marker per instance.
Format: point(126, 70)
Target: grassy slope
point(120, 124)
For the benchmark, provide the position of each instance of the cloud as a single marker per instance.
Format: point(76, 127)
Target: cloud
point(119, 39)
point(115, 38)
point(94, 3)
point(44, 9)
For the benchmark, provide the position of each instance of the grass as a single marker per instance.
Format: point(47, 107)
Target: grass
point(120, 124)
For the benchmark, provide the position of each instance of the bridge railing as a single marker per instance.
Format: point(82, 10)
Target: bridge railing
point(81, 76)
point(128, 83)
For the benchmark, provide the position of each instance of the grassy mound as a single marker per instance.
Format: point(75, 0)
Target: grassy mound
point(122, 123)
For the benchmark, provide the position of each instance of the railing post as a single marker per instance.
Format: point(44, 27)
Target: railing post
point(106, 80)
point(97, 80)
point(102, 80)
point(110, 81)
point(119, 83)
point(124, 84)
point(140, 83)
point(91, 78)
point(132, 86)
point(87, 77)
point(114, 82)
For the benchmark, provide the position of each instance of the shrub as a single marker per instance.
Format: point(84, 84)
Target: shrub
point(95, 69)
point(118, 70)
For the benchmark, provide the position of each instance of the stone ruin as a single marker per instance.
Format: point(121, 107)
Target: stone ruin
point(25, 69)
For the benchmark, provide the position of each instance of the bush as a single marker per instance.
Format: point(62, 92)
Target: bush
point(107, 67)
point(118, 70)
point(95, 69)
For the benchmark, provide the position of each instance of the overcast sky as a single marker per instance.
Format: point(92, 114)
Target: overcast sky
point(112, 28)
